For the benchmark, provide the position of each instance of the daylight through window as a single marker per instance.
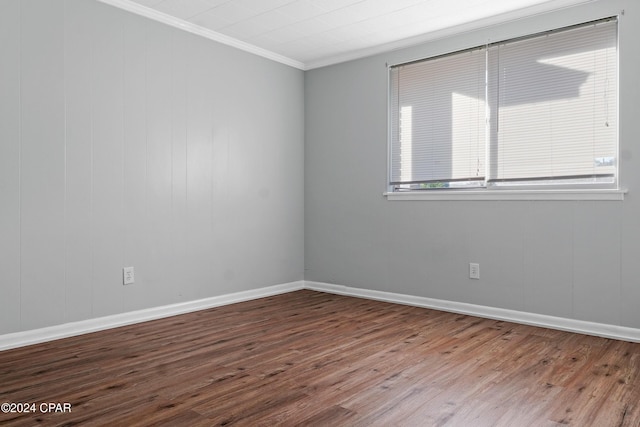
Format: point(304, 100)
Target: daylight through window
point(534, 112)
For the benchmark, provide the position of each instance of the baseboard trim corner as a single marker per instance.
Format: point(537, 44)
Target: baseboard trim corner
point(541, 320)
point(50, 333)
point(36, 336)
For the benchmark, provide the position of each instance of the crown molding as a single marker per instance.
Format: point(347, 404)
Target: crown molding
point(158, 16)
point(536, 9)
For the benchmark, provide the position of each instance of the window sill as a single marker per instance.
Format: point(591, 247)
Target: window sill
point(465, 195)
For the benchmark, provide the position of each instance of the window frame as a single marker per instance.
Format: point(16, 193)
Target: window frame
point(569, 191)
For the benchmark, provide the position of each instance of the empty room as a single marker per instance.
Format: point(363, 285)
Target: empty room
point(319, 212)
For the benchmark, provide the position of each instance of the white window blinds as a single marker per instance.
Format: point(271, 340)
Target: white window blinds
point(556, 106)
point(438, 120)
point(537, 111)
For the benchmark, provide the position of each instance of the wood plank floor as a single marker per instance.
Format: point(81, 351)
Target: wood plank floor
point(309, 358)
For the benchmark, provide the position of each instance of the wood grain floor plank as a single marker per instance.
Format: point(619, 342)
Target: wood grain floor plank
point(315, 359)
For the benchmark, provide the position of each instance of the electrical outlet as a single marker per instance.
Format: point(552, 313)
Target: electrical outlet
point(127, 276)
point(474, 271)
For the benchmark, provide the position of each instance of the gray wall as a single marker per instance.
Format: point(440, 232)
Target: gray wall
point(571, 259)
point(125, 142)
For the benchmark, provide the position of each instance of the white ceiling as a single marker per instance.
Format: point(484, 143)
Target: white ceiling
point(312, 33)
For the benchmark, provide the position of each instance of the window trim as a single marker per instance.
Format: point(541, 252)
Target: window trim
point(580, 192)
point(506, 195)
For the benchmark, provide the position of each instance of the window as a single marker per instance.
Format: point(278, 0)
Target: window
point(531, 113)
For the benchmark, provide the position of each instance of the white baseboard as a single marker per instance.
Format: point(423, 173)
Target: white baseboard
point(533, 319)
point(35, 336)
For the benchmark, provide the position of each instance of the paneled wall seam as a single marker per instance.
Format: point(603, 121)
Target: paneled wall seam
point(92, 239)
point(65, 156)
point(573, 261)
point(122, 163)
point(21, 320)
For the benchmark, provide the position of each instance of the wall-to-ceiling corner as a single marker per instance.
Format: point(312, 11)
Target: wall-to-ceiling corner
point(126, 142)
